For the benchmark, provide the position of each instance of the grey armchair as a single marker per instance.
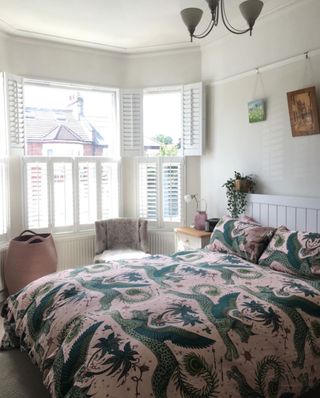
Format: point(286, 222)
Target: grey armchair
point(121, 238)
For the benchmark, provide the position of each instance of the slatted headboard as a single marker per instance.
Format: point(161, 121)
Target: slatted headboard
point(301, 214)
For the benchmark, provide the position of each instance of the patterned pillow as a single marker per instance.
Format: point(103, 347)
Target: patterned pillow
point(243, 237)
point(293, 252)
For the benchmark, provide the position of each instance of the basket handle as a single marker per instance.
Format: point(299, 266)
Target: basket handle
point(28, 230)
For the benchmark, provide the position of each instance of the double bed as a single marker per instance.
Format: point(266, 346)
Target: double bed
point(204, 323)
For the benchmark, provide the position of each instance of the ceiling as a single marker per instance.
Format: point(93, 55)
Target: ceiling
point(119, 25)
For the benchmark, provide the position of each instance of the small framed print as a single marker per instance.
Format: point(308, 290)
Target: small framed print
point(256, 111)
point(303, 112)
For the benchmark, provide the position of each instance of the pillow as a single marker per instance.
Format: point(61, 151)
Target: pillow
point(293, 252)
point(243, 237)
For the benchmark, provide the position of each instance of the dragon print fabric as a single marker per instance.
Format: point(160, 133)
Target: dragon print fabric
point(198, 324)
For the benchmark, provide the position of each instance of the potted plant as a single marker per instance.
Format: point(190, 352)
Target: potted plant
point(237, 189)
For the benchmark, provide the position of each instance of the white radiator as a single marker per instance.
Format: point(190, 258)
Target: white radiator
point(161, 242)
point(74, 251)
point(77, 251)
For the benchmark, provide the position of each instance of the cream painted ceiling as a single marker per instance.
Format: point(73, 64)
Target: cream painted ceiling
point(119, 25)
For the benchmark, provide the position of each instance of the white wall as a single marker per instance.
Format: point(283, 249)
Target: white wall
point(282, 164)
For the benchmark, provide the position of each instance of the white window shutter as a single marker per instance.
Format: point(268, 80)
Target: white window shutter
point(15, 111)
point(193, 103)
point(172, 183)
point(109, 190)
point(87, 185)
point(131, 116)
point(37, 211)
point(148, 190)
point(62, 186)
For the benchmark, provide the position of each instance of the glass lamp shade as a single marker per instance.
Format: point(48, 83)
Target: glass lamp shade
point(191, 17)
point(250, 10)
point(188, 198)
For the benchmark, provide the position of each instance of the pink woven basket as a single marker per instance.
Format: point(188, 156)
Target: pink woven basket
point(29, 257)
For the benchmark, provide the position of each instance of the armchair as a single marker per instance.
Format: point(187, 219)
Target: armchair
point(121, 239)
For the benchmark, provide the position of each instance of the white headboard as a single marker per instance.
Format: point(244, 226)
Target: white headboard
point(301, 214)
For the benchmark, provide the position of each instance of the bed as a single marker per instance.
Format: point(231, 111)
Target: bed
point(204, 323)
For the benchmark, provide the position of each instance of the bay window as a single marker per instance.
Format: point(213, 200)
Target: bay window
point(71, 139)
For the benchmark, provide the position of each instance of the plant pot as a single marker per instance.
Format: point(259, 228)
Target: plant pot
point(242, 186)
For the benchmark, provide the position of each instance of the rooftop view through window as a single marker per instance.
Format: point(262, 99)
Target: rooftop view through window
point(65, 121)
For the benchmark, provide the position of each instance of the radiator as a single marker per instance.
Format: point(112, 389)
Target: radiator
point(161, 242)
point(77, 251)
point(74, 251)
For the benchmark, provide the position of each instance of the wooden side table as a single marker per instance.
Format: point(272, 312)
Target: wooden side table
point(187, 238)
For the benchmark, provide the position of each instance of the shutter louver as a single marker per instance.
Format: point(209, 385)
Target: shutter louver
point(193, 119)
point(171, 191)
point(87, 193)
point(37, 195)
point(131, 123)
point(109, 190)
point(148, 191)
point(62, 194)
point(15, 111)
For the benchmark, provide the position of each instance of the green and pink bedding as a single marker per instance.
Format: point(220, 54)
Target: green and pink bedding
point(195, 325)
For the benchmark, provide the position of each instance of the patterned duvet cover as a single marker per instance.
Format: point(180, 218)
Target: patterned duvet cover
point(197, 324)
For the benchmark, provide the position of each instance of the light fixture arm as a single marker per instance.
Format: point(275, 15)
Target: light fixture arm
point(228, 25)
point(250, 10)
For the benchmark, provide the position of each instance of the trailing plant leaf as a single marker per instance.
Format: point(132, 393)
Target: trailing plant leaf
point(237, 201)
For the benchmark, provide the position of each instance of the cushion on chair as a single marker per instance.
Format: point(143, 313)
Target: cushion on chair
point(119, 254)
point(121, 233)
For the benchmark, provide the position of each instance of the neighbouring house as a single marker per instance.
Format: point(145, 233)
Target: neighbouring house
point(58, 132)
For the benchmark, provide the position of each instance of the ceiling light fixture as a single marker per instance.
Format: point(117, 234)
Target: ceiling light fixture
point(250, 10)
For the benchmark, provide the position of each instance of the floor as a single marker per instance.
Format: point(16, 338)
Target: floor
point(19, 378)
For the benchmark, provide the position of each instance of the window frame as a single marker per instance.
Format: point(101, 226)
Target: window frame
point(160, 224)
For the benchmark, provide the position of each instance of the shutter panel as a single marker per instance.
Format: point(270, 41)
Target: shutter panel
point(62, 195)
point(109, 190)
point(131, 105)
point(15, 111)
point(172, 177)
point(37, 194)
point(193, 104)
point(148, 191)
point(87, 182)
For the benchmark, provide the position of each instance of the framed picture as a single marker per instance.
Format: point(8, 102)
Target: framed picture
point(303, 111)
point(256, 110)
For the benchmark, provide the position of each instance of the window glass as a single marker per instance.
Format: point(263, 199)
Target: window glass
point(66, 121)
point(162, 123)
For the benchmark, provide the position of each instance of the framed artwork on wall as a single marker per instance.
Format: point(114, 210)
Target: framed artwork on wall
point(303, 111)
point(256, 111)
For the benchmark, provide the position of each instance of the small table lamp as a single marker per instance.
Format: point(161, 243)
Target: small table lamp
point(200, 217)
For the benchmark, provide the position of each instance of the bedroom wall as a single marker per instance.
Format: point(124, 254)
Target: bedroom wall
point(281, 164)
